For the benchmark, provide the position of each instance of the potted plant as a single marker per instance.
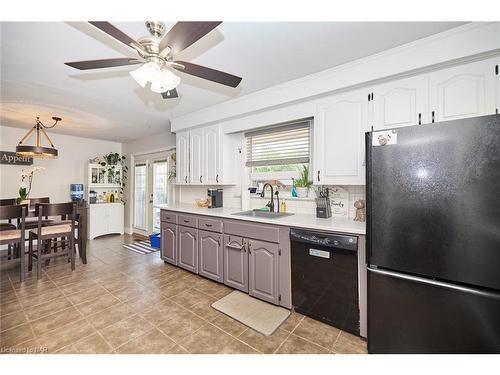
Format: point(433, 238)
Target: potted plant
point(26, 183)
point(303, 183)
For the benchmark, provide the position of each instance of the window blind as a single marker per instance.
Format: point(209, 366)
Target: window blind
point(284, 144)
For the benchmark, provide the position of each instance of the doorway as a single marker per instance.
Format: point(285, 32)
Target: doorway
point(151, 190)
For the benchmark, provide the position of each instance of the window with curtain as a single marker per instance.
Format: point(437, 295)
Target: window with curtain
point(279, 152)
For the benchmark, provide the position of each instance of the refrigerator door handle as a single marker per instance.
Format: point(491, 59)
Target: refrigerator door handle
point(442, 284)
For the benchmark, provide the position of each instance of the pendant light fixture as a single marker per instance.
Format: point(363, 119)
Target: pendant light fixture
point(38, 151)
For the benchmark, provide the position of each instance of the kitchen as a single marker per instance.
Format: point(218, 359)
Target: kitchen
point(347, 209)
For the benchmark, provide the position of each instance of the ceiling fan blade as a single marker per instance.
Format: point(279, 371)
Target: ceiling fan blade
point(170, 94)
point(104, 63)
point(183, 34)
point(208, 73)
point(117, 34)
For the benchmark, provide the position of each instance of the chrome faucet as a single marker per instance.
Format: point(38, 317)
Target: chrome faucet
point(271, 203)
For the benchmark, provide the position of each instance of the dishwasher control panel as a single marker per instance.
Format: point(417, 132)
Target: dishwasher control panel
point(325, 239)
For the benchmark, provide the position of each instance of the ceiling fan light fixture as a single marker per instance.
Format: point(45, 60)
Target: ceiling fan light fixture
point(147, 72)
point(166, 81)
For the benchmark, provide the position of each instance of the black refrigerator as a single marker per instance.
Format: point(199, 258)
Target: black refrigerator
point(433, 237)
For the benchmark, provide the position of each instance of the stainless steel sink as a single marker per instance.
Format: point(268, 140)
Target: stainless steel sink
point(266, 214)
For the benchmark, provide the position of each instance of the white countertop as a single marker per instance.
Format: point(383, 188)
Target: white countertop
point(296, 220)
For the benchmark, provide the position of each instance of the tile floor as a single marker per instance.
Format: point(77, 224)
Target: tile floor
point(122, 302)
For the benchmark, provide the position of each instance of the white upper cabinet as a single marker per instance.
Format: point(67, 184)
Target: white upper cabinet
point(463, 91)
point(212, 157)
point(196, 156)
point(199, 156)
point(182, 157)
point(401, 103)
point(339, 127)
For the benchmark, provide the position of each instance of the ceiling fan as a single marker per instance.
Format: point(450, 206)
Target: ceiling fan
point(156, 55)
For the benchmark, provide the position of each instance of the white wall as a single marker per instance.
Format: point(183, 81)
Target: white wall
point(150, 144)
point(69, 168)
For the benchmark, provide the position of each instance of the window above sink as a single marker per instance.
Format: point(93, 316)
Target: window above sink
point(278, 152)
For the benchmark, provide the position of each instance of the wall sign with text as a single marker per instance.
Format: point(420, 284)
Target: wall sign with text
point(339, 199)
point(8, 157)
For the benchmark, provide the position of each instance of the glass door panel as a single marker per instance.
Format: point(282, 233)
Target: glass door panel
point(160, 190)
point(140, 194)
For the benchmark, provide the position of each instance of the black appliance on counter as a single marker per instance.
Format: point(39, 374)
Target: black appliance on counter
point(214, 198)
point(325, 278)
point(433, 237)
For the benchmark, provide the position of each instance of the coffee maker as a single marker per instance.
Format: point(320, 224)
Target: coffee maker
point(214, 198)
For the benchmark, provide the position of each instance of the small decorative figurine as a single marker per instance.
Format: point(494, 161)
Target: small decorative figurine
point(360, 210)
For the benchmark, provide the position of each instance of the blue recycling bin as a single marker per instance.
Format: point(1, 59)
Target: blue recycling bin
point(154, 240)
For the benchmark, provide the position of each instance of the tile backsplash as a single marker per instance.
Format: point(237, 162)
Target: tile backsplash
point(232, 198)
point(308, 205)
point(231, 195)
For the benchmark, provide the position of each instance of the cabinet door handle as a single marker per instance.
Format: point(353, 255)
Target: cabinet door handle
point(186, 179)
point(433, 114)
point(208, 225)
point(186, 221)
point(420, 119)
point(318, 177)
point(249, 248)
point(201, 181)
point(217, 178)
point(235, 247)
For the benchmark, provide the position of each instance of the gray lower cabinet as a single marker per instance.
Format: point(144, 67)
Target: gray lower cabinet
point(251, 257)
point(235, 263)
point(264, 270)
point(210, 255)
point(187, 248)
point(169, 243)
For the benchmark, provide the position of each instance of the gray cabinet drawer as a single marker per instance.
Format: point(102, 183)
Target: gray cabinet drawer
point(213, 225)
point(188, 221)
point(263, 232)
point(168, 216)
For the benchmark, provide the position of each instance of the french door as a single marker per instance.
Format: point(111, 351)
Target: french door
point(151, 190)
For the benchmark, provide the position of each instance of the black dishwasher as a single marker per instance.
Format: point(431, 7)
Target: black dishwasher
point(325, 278)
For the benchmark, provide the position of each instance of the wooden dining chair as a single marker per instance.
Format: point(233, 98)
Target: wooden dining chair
point(15, 236)
point(46, 234)
point(8, 202)
point(80, 235)
point(32, 223)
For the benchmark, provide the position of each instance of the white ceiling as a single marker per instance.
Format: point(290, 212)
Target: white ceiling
point(108, 104)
